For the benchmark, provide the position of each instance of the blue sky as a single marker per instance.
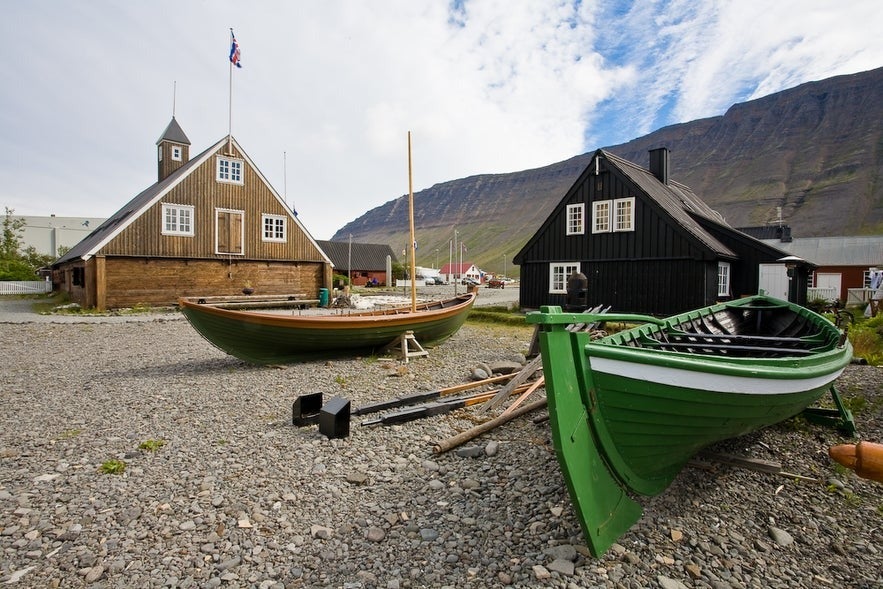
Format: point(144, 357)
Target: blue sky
point(329, 89)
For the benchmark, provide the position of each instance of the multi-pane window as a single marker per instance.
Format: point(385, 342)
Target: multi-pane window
point(723, 279)
point(624, 214)
point(576, 219)
point(177, 219)
point(558, 275)
point(274, 227)
point(601, 216)
point(613, 215)
point(176, 153)
point(229, 170)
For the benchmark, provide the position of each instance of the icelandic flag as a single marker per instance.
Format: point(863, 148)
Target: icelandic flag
point(234, 50)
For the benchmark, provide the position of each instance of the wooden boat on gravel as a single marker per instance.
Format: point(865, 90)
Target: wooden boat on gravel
point(629, 410)
point(273, 338)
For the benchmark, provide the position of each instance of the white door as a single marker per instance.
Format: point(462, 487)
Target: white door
point(773, 280)
point(829, 284)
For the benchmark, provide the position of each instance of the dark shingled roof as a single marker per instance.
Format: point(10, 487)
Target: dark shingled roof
point(365, 256)
point(174, 133)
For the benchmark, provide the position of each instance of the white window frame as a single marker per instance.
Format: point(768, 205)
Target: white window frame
point(177, 219)
point(230, 170)
point(601, 216)
point(559, 273)
point(576, 216)
point(723, 279)
point(624, 222)
point(274, 227)
point(177, 153)
point(159, 153)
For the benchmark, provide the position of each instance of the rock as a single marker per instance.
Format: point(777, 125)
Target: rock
point(492, 448)
point(541, 572)
point(94, 574)
point(375, 534)
point(470, 451)
point(562, 565)
point(561, 552)
point(320, 532)
point(667, 583)
point(780, 536)
point(479, 374)
point(504, 367)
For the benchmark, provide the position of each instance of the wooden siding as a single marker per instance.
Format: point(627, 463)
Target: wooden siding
point(657, 268)
point(201, 190)
point(659, 287)
point(134, 281)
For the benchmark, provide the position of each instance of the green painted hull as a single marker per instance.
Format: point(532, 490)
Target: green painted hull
point(271, 338)
point(628, 411)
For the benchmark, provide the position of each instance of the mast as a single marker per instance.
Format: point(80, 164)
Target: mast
point(411, 225)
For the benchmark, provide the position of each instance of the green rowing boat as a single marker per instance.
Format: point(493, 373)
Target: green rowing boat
point(629, 410)
point(273, 338)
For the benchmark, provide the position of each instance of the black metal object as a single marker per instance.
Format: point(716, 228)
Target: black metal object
point(305, 409)
point(334, 418)
point(577, 292)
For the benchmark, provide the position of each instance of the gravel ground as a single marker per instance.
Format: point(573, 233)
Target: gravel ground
point(230, 494)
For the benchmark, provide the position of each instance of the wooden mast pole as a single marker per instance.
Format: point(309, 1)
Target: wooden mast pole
point(411, 227)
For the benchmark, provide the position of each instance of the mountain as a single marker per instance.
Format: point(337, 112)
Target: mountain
point(815, 152)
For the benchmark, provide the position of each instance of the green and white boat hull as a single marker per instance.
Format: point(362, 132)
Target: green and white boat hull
point(626, 416)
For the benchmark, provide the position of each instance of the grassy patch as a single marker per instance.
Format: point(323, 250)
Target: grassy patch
point(112, 466)
point(496, 314)
point(151, 445)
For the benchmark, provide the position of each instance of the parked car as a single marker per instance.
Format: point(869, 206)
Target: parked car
point(496, 283)
point(469, 281)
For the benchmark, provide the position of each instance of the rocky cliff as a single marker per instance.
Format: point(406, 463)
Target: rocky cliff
point(815, 152)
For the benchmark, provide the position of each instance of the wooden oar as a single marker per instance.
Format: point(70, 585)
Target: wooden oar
point(536, 384)
point(427, 396)
point(437, 408)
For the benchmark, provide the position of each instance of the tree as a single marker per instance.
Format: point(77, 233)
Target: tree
point(16, 264)
point(12, 236)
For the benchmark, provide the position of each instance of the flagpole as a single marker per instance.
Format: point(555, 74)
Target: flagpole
point(230, 105)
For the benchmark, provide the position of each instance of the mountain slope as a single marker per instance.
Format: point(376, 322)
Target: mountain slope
point(815, 150)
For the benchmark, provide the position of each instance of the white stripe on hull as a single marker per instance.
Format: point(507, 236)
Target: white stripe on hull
point(706, 381)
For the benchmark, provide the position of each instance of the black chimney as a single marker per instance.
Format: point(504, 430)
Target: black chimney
point(659, 164)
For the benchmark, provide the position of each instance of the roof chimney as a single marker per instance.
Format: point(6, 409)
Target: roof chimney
point(659, 164)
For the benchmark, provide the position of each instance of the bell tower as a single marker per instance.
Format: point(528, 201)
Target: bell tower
point(173, 150)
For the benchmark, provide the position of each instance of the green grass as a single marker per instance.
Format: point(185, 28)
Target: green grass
point(113, 467)
point(151, 445)
point(500, 315)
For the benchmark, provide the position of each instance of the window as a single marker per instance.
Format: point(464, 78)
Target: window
point(624, 209)
point(177, 220)
point(274, 227)
point(229, 170)
point(723, 279)
point(558, 275)
point(575, 215)
point(176, 153)
point(601, 216)
point(613, 215)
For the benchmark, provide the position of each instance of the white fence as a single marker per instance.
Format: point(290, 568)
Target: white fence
point(827, 293)
point(8, 287)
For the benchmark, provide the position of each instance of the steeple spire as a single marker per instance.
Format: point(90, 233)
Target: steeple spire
point(173, 150)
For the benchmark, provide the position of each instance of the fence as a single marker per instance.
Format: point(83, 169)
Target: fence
point(826, 293)
point(8, 287)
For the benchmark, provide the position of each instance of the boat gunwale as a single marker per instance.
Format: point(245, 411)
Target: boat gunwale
point(348, 321)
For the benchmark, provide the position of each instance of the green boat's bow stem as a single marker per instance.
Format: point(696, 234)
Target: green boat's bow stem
point(604, 508)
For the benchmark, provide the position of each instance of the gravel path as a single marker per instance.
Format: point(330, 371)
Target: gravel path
point(227, 493)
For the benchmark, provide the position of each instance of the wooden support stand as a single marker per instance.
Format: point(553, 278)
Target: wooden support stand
point(411, 348)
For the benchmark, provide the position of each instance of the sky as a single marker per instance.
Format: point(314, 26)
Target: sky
point(329, 89)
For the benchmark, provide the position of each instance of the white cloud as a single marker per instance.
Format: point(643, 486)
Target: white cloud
point(485, 86)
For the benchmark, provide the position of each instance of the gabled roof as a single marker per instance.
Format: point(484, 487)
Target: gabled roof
point(174, 133)
point(675, 199)
point(456, 268)
point(92, 243)
point(362, 256)
point(836, 251)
